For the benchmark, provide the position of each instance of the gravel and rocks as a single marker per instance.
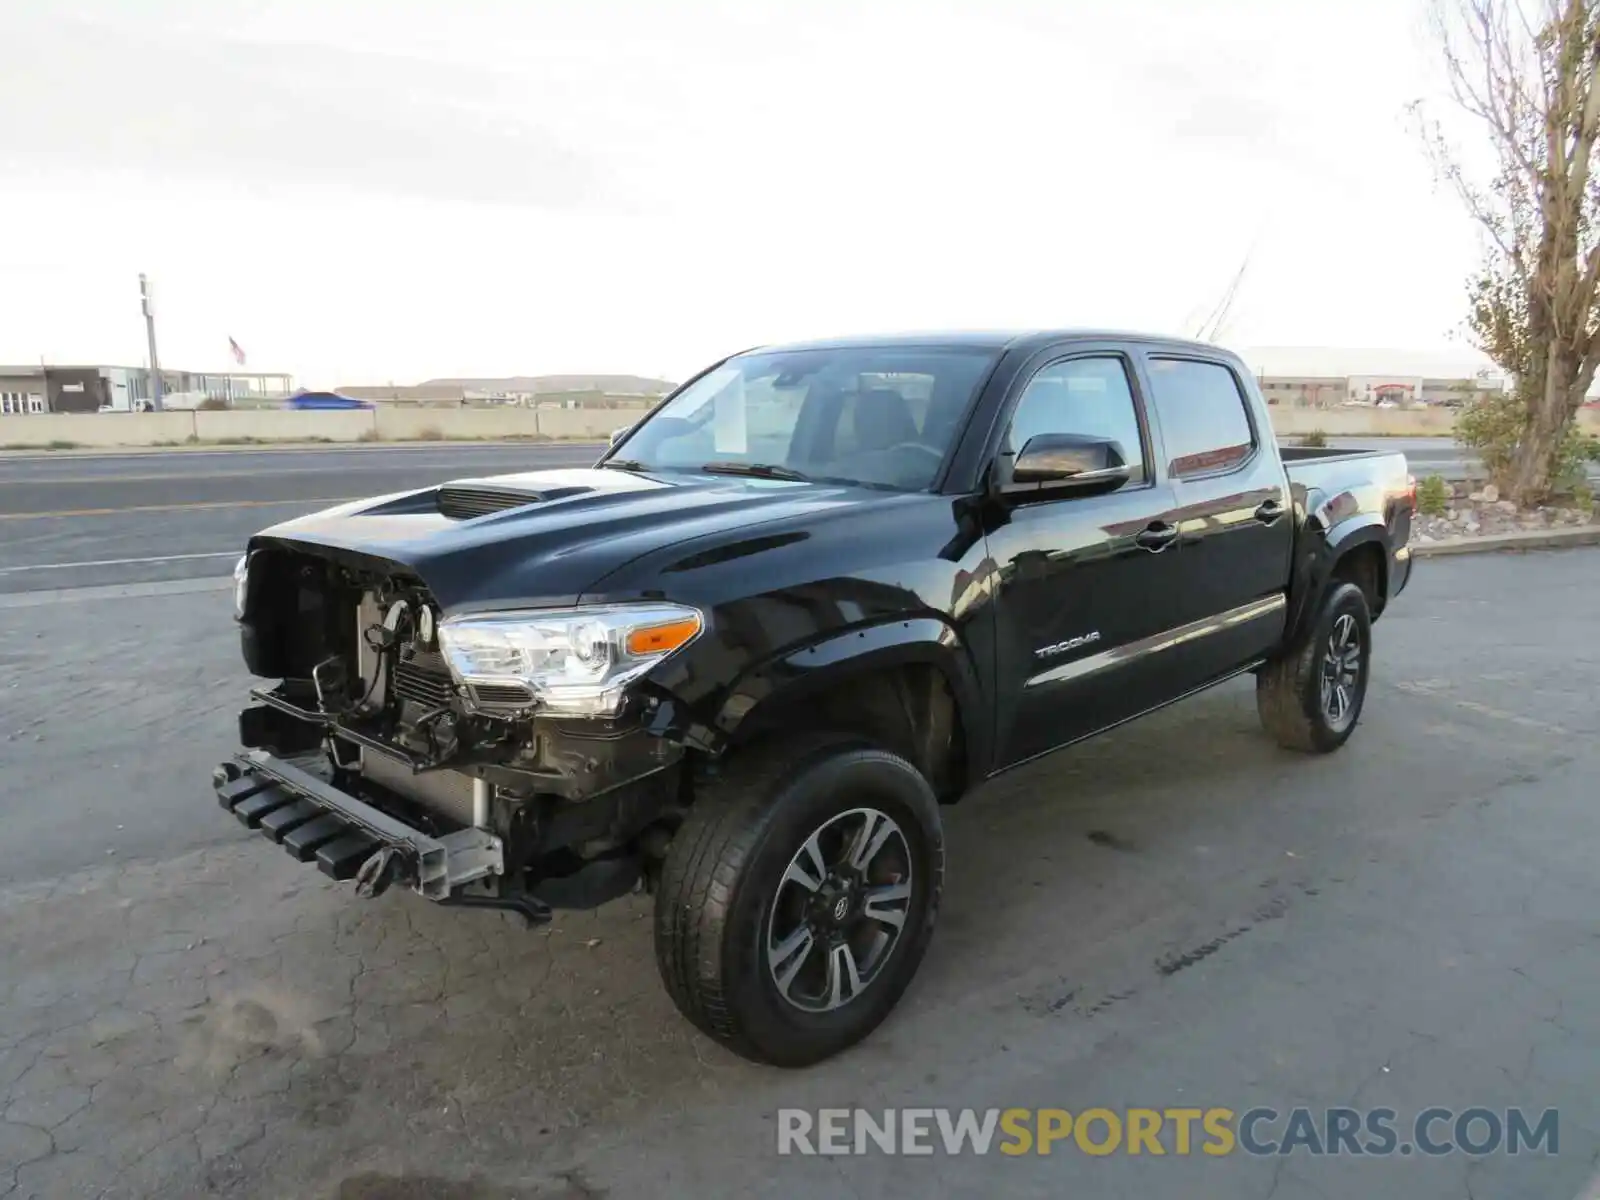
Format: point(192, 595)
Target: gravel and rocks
point(1475, 509)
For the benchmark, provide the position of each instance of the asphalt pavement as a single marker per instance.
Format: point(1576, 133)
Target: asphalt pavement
point(74, 520)
point(1174, 915)
point(1433, 455)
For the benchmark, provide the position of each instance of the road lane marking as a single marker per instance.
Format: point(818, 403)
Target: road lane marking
point(119, 562)
point(112, 591)
point(196, 476)
point(443, 446)
point(139, 508)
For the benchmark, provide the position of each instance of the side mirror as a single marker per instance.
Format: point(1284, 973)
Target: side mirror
point(618, 434)
point(1068, 464)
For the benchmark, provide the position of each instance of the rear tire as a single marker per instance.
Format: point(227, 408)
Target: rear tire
point(779, 971)
point(1310, 698)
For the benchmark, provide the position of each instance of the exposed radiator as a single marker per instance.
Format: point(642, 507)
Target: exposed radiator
point(423, 678)
point(448, 793)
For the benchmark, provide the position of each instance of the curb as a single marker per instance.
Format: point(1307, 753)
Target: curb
point(1528, 539)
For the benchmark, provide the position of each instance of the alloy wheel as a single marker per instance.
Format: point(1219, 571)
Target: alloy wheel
point(840, 909)
point(1341, 672)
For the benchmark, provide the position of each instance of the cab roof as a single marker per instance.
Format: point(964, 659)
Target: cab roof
point(984, 339)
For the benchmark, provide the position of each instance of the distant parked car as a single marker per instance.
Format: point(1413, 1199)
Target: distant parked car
point(324, 400)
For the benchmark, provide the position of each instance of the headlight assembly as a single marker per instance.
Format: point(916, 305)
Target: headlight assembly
point(575, 661)
point(241, 584)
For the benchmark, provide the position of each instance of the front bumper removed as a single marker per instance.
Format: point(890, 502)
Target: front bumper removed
point(313, 820)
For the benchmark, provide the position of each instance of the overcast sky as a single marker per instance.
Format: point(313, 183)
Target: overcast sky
point(366, 190)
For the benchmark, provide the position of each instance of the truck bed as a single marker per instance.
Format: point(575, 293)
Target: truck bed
point(1305, 453)
point(1377, 482)
point(1332, 470)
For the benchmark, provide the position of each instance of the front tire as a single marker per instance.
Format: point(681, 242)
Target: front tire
point(799, 896)
point(1310, 697)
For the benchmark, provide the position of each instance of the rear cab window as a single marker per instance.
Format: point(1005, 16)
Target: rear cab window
point(1205, 419)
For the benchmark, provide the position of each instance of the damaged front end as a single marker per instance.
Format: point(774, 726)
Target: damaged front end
point(516, 760)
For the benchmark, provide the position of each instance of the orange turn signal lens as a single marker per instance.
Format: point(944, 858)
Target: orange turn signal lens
point(660, 639)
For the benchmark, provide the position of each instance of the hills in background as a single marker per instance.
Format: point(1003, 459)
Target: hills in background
point(615, 385)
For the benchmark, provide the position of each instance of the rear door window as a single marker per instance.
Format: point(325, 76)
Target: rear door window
point(1204, 422)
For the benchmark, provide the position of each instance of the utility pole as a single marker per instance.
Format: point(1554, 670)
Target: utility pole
point(150, 337)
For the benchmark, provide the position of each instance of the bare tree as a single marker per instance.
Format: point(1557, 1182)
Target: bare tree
point(1524, 71)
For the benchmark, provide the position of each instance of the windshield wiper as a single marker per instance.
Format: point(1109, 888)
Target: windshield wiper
point(759, 470)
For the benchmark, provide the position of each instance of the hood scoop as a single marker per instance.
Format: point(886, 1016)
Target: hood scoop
point(468, 498)
point(462, 502)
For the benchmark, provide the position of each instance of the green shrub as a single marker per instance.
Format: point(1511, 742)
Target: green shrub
point(1315, 440)
point(429, 433)
point(1433, 496)
point(58, 444)
point(1492, 425)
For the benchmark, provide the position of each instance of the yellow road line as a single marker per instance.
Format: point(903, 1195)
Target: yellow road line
point(146, 508)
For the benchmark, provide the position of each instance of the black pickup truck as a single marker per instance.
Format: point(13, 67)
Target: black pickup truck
point(818, 592)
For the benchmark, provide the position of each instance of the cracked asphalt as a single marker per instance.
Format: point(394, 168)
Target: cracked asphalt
point(1175, 914)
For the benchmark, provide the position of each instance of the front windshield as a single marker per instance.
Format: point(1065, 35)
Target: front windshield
point(885, 417)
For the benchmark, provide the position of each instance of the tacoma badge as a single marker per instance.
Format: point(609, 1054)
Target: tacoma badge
point(1087, 639)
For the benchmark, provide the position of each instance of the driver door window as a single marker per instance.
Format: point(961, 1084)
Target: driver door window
point(1083, 606)
point(1087, 396)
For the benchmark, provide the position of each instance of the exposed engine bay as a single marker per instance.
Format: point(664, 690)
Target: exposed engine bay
point(567, 811)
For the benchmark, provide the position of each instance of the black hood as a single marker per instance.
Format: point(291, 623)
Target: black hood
point(553, 533)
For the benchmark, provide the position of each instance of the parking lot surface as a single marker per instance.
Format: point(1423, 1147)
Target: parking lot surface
point(1175, 914)
point(109, 517)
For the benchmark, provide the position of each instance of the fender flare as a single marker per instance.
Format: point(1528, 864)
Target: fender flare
point(824, 664)
point(1315, 568)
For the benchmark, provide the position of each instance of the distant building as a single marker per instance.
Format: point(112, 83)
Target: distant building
point(195, 386)
point(1399, 391)
point(33, 390)
point(22, 391)
point(1304, 391)
point(1321, 376)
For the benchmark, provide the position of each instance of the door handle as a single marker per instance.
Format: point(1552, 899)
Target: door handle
point(1157, 536)
point(1269, 511)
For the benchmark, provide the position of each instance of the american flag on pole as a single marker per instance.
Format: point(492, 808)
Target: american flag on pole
point(237, 351)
